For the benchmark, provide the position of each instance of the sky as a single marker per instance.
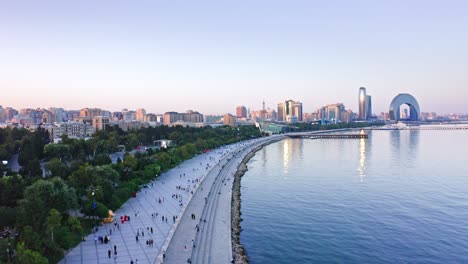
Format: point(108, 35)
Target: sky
point(211, 56)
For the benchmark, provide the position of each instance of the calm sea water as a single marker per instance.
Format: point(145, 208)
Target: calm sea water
point(397, 197)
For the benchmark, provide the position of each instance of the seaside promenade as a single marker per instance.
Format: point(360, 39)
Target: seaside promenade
point(206, 238)
point(157, 215)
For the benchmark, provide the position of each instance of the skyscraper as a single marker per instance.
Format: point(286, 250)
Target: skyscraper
point(290, 110)
point(229, 120)
point(241, 112)
point(362, 104)
point(141, 114)
point(281, 117)
point(368, 107)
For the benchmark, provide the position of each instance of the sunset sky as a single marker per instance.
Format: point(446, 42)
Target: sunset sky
point(211, 56)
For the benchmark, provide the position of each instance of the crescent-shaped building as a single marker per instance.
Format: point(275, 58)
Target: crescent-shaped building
point(400, 100)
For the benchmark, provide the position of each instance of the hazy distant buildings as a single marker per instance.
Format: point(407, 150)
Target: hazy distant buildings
point(100, 122)
point(9, 113)
point(229, 120)
point(117, 116)
point(333, 113)
point(131, 125)
point(258, 115)
point(271, 114)
point(58, 114)
point(289, 111)
point(90, 113)
point(425, 116)
point(151, 118)
point(241, 112)
point(187, 117)
point(141, 115)
point(70, 129)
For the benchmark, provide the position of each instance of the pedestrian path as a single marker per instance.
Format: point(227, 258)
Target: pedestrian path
point(154, 215)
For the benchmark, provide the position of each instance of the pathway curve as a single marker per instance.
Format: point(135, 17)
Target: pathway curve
point(211, 206)
point(169, 196)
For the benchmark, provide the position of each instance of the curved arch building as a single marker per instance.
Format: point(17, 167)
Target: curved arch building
point(400, 100)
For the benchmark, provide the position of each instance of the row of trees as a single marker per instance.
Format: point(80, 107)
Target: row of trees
point(43, 215)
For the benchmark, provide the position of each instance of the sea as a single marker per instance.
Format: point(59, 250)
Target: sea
point(399, 196)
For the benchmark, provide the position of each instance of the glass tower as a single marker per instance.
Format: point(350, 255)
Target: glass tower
point(362, 104)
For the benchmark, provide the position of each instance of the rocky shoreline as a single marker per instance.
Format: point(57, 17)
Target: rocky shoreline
point(238, 252)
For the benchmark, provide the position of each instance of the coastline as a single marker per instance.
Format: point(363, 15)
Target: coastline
point(238, 252)
point(239, 255)
point(204, 230)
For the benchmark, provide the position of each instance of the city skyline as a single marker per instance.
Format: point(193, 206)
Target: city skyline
point(164, 56)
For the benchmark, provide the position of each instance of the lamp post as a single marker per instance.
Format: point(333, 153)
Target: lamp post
point(8, 252)
point(94, 212)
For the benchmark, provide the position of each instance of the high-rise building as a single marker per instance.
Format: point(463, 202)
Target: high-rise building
point(368, 107)
point(271, 114)
point(141, 114)
point(90, 113)
point(290, 111)
point(59, 114)
point(280, 113)
point(241, 112)
point(229, 120)
point(100, 122)
point(2, 116)
point(9, 113)
point(151, 118)
point(334, 113)
point(362, 104)
point(188, 117)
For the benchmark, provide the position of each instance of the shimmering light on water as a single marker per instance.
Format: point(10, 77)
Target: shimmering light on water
point(304, 201)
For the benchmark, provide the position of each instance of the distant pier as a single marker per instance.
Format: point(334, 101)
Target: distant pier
point(331, 136)
point(419, 128)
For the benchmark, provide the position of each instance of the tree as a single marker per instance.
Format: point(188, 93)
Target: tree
point(102, 159)
point(32, 169)
point(27, 256)
point(27, 152)
point(11, 190)
point(60, 151)
point(8, 216)
point(53, 221)
point(31, 239)
point(41, 197)
point(130, 162)
point(74, 224)
point(151, 171)
point(56, 167)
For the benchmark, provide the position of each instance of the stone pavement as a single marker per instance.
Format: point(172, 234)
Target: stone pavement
point(206, 238)
point(168, 196)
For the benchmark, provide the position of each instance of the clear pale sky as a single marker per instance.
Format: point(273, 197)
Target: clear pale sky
point(211, 56)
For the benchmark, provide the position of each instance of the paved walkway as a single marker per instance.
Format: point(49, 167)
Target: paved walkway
point(206, 237)
point(167, 197)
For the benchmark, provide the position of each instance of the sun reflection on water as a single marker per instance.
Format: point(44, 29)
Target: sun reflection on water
point(362, 159)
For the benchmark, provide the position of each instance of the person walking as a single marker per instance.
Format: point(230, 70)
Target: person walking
point(109, 253)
